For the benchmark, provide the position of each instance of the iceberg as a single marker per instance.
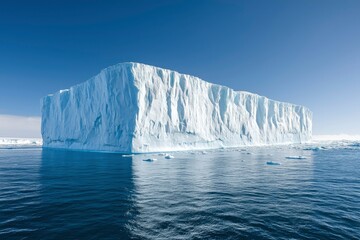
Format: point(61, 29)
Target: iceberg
point(137, 108)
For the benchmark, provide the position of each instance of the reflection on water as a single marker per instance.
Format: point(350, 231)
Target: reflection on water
point(93, 191)
point(221, 194)
point(68, 195)
point(49, 194)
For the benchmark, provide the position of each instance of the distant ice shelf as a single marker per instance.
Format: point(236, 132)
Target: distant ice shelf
point(19, 143)
point(137, 108)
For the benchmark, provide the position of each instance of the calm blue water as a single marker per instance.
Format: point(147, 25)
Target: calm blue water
point(49, 194)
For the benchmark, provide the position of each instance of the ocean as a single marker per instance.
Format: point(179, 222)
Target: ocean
point(279, 192)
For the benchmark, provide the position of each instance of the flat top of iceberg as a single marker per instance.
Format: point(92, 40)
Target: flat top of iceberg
point(141, 66)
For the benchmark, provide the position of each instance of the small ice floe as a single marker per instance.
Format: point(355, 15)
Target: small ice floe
point(149, 160)
point(314, 148)
point(204, 152)
point(296, 157)
point(272, 163)
point(162, 154)
point(168, 156)
point(128, 155)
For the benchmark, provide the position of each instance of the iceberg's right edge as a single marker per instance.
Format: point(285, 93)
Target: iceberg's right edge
point(133, 107)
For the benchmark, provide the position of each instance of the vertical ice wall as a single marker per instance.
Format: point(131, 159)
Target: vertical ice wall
point(133, 107)
point(98, 114)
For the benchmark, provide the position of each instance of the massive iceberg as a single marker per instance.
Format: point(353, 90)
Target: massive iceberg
point(137, 108)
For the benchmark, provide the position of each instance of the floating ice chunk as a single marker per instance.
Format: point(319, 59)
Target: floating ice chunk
point(272, 163)
point(168, 156)
point(296, 157)
point(162, 154)
point(314, 148)
point(128, 155)
point(204, 152)
point(150, 160)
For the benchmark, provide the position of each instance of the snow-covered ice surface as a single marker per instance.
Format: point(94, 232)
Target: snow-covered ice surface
point(9, 143)
point(137, 108)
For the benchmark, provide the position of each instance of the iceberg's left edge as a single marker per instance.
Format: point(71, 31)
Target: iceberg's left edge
point(97, 115)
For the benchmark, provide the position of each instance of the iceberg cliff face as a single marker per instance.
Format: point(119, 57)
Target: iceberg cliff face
point(133, 107)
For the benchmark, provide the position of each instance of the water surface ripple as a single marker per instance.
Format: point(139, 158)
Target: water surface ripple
point(224, 194)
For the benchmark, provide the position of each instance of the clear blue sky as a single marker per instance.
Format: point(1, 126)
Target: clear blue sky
point(305, 52)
